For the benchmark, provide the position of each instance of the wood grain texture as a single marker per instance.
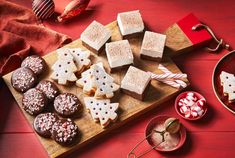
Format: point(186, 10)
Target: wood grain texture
point(176, 41)
point(130, 108)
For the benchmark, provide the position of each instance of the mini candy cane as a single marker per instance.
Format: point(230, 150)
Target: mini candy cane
point(182, 83)
point(171, 83)
point(165, 70)
point(169, 76)
point(168, 82)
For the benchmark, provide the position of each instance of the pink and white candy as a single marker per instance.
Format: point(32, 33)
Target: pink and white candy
point(169, 78)
point(190, 106)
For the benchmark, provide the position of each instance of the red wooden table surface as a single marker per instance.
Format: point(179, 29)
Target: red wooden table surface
point(212, 136)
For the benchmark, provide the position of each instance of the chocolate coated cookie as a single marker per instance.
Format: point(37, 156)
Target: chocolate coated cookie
point(35, 63)
point(49, 89)
point(34, 101)
point(65, 131)
point(23, 79)
point(67, 104)
point(43, 124)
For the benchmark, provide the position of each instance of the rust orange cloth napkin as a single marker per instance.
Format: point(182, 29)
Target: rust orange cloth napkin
point(22, 34)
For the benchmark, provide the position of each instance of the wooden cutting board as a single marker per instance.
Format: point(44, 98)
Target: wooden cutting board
point(130, 108)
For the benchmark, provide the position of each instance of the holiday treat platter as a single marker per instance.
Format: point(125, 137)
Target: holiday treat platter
point(129, 107)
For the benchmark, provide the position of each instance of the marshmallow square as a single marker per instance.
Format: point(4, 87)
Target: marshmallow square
point(95, 35)
point(119, 54)
point(153, 46)
point(130, 22)
point(135, 82)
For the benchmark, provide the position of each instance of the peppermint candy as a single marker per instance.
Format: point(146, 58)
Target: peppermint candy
point(191, 106)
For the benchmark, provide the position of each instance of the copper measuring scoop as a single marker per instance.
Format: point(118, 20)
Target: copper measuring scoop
point(172, 125)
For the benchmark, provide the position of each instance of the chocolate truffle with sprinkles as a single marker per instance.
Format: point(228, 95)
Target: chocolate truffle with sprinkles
point(35, 63)
point(23, 79)
point(43, 124)
point(34, 101)
point(67, 104)
point(65, 132)
point(49, 89)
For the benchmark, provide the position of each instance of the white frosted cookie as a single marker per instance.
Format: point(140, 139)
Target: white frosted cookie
point(64, 53)
point(101, 110)
point(64, 69)
point(231, 97)
point(85, 82)
point(225, 76)
point(96, 80)
point(228, 86)
point(103, 83)
point(81, 58)
point(227, 80)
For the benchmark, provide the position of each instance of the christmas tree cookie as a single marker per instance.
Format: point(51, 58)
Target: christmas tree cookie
point(80, 57)
point(64, 68)
point(70, 61)
point(101, 110)
point(227, 80)
point(96, 80)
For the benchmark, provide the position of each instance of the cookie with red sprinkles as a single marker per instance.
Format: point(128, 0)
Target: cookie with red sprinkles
point(49, 89)
point(43, 124)
point(34, 62)
point(65, 132)
point(67, 104)
point(23, 79)
point(34, 101)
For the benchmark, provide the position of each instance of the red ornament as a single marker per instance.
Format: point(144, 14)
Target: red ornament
point(43, 9)
point(74, 8)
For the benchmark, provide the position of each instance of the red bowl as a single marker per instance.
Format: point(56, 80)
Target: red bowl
point(159, 120)
point(226, 63)
point(183, 95)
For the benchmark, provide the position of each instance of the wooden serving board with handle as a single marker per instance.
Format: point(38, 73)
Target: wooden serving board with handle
point(129, 108)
